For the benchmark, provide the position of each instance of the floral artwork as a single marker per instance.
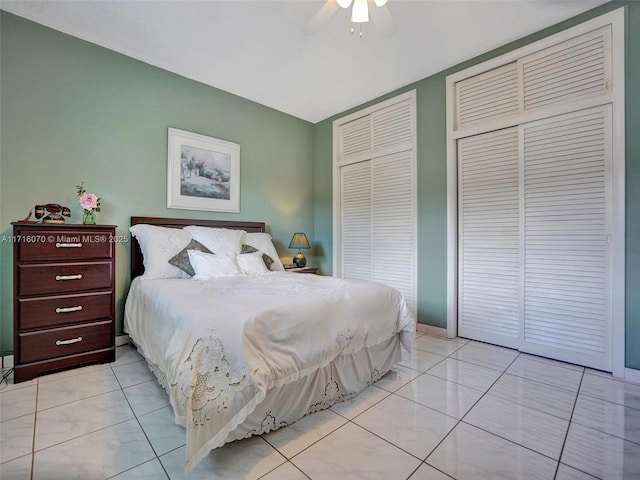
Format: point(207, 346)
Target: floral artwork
point(203, 172)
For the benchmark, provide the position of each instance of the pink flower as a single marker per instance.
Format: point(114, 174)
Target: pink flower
point(89, 201)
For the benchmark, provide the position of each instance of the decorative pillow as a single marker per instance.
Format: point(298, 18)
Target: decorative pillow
point(221, 241)
point(252, 263)
point(181, 259)
point(268, 261)
point(158, 245)
point(208, 265)
point(263, 242)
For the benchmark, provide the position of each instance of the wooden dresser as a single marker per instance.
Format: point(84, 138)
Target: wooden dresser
point(63, 291)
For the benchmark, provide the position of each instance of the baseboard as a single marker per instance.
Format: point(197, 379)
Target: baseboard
point(632, 375)
point(122, 340)
point(431, 330)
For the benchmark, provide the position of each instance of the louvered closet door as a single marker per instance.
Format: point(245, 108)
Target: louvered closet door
point(534, 219)
point(489, 243)
point(356, 221)
point(567, 181)
point(377, 222)
point(392, 220)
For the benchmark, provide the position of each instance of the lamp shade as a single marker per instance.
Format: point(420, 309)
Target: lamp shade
point(299, 240)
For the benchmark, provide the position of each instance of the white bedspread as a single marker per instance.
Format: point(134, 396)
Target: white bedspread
point(223, 343)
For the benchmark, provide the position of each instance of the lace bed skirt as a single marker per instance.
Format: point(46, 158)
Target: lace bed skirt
point(339, 381)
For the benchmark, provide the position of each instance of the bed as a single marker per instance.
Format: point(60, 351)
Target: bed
point(245, 351)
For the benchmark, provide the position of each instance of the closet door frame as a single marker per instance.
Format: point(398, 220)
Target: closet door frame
point(615, 96)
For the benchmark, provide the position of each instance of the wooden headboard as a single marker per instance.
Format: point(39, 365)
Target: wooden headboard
point(137, 266)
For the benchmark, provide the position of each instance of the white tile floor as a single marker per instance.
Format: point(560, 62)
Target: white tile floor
point(455, 409)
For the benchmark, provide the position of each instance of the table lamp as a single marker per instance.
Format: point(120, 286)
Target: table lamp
point(299, 240)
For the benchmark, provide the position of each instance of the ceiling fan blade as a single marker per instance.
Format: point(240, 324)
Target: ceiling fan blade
point(325, 13)
point(381, 17)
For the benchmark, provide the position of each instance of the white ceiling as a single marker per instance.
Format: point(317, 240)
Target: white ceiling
point(256, 49)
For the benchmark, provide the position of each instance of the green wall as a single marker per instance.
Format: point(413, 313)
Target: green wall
point(432, 194)
point(73, 111)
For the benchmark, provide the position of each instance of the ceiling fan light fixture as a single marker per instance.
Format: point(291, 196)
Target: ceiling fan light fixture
point(379, 3)
point(360, 12)
point(345, 3)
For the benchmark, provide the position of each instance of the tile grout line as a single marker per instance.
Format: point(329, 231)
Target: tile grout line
point(499, 436)
point(535, 409)
point(590, 395)
point(35, 420)
point(121, 389)
point(471, 408)
point(287, 461)
point(566, 435)
point(350, 420)
point(157, 457)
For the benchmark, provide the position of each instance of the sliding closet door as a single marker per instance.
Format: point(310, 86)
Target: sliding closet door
point(567, 217)
point(489, 238)
point(535, 207)
point(377, 221)
point(393, 222)
point(535, 175)
point(356, 221)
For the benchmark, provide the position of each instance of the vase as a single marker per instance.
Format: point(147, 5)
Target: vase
point(89, 217)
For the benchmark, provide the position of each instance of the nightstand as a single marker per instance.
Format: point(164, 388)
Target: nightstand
point(313, 270)
point(64, 301)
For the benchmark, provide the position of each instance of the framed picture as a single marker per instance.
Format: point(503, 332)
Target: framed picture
point(203, 173)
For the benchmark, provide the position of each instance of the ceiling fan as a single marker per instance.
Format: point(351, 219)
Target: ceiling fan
point(360, 13)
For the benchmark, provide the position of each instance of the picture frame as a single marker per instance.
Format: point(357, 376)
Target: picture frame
point(203, 172)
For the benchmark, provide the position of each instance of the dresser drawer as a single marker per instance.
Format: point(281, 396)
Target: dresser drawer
point(63, 277)
point(68, 244)
point(57, 342)
point(64, 309)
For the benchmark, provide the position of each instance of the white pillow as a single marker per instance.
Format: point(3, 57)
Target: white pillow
point(158, 245)
point(252, 263)
point(262, 241)
point(221, 241)
point(207, 265)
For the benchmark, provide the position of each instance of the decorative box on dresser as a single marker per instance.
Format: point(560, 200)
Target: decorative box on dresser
point(63, 297)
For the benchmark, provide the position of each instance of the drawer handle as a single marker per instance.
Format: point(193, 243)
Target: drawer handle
point(68, 342)
point(69, 277)
point(69, 309)
point(68, 245)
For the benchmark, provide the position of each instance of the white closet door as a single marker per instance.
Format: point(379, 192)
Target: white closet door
point(489, 243)
point(378, 231)
point(567, 210)
point(375, 196)
point(356, 221)
point(534, 223)
point(393, 223)
point(537, 139)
